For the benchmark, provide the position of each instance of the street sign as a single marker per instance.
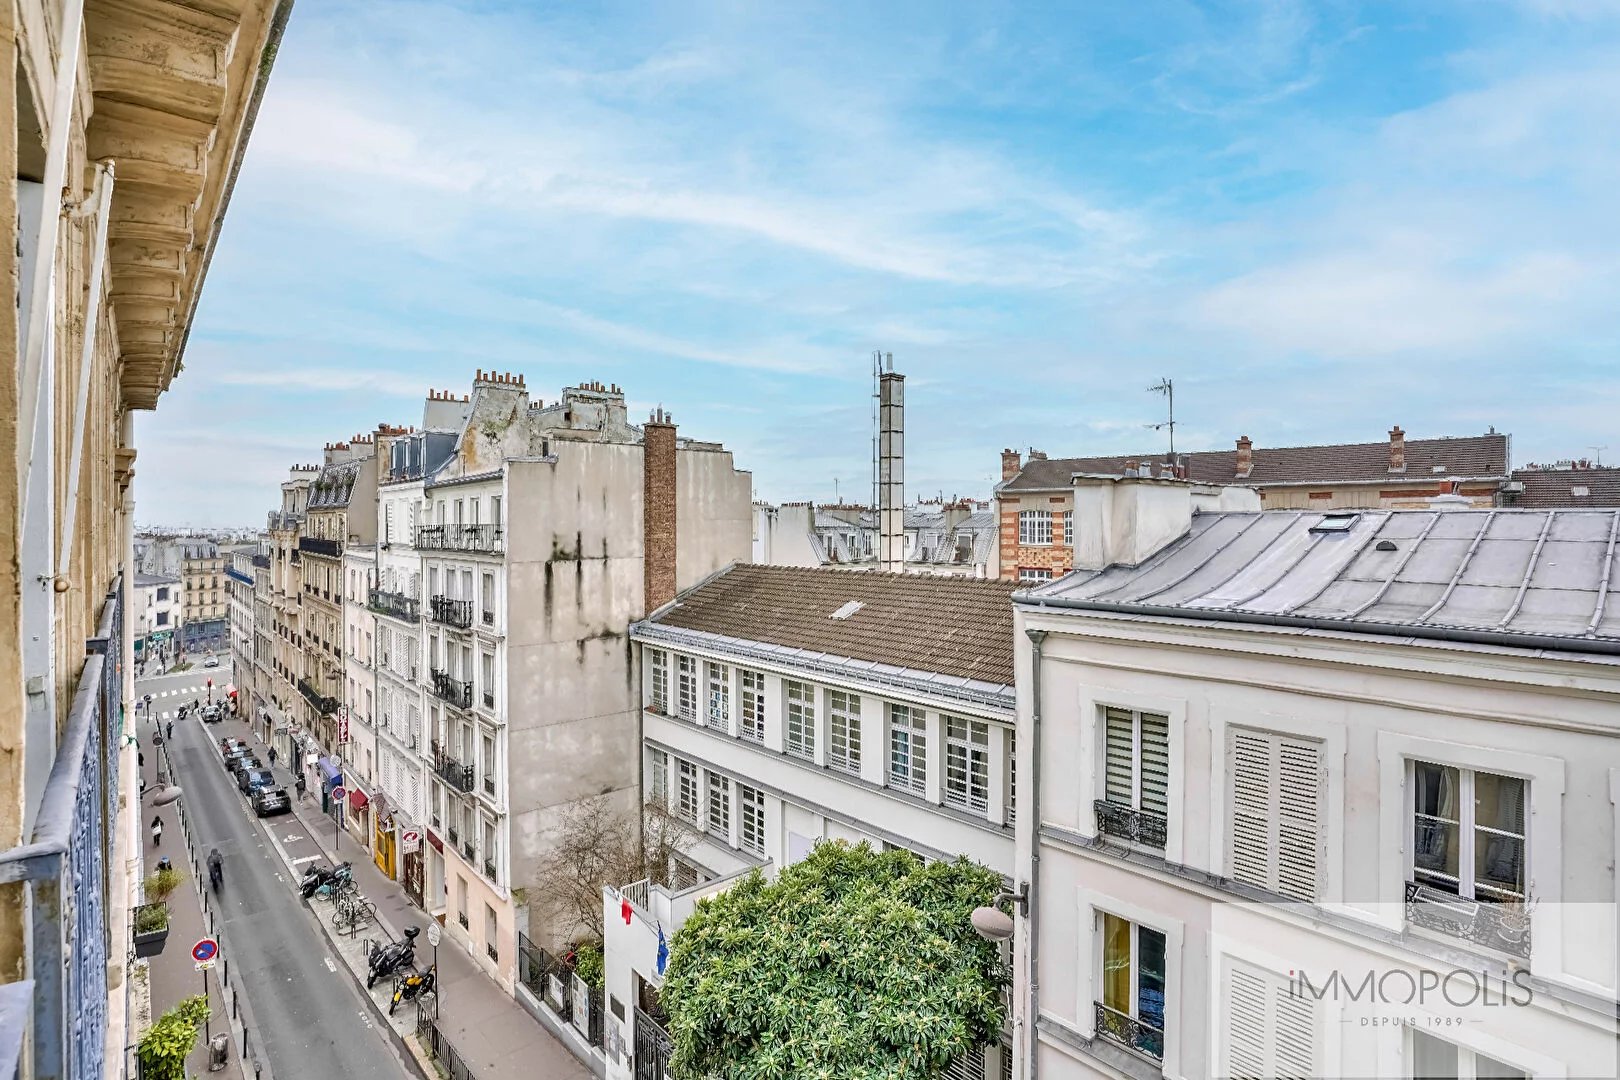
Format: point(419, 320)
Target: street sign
point(410, 842)
point(205, 950)
point(337, 794)
point(434, 934)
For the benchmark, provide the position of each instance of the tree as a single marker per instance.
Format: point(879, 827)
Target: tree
point(852, 964)
point(598, 846)
point(163, 1049)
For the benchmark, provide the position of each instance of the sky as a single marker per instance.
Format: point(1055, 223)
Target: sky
point(1319, 220)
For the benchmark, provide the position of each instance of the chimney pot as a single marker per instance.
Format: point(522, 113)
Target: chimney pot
point(1245, 457)
point(1011, 463)
point(1397, 449)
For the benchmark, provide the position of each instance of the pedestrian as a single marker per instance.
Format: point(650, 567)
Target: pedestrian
point(157, 832)
point(140, 758)
point(272, 757)
point(168, 732)
point(301, 786)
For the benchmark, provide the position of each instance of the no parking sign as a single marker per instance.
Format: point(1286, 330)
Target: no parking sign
point(205, 952)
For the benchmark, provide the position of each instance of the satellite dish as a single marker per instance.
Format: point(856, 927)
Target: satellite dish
point(992, 924)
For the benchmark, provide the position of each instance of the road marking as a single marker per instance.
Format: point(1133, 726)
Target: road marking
point(331, 966)
point(305, 859)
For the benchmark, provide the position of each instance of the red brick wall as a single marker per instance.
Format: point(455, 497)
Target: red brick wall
point(658, 515)
point(1056, 557)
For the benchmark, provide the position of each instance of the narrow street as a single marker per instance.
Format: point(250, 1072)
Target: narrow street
point(311, 1019)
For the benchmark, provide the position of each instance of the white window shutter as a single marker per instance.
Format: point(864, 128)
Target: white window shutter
point(1156, 765)
point(1120, 740)
point(1276, 813)
point(1270, 1032)
point(1299, 791)
point(1251, 808)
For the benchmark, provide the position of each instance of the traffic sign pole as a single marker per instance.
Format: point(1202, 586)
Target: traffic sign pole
point(338, 795)
point(205, 952)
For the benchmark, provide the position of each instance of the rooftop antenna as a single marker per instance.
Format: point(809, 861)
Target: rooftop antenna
point(1597, 455)
point(1168, 389)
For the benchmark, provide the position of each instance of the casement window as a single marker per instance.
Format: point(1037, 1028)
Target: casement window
point(1271, 1027)
point(658, 679)
point(720, 807)
point(683, 875)
point(488, 743)
point(1012, 776)
point(908, 749)
point(844, 737)
point(658, 777)
point(686, 790)
point(751, 811)
point(1033, 575)
point(1136, 779)
point(1131, 1007)
point(1035, 527)
point(1276, 812)
point(1432, 1058)
point(1068, 528)
point(751, 692)
point(1468, 832)
point(719, 697)
point(801, 719)
point(686, 689)
point(967, 763)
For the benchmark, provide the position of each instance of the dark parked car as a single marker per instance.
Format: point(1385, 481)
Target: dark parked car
point(251, 780)
point(242, 759)
point(271, 800)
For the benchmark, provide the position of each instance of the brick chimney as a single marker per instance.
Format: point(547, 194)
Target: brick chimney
point(1397, 449)
point(1011, 462)
point(1245, 457)
point(658, 511)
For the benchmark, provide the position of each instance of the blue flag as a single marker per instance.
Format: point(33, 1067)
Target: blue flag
point(663, 950)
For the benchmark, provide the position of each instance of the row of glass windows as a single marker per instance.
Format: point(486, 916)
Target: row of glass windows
point(1035, 527)
point(709, 801)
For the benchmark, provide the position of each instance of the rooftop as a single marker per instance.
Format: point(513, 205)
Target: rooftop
point(1527, 578)
point(1597, 486)
point(155, 579)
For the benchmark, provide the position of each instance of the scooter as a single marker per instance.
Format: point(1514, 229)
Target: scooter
point(412, 985)
point(216, 869)
point(316, 876)
point(391, 958)
point(342, 878)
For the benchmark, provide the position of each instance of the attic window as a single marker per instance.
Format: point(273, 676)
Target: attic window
point(1437, 469)
point(848, 609)
point(1580, 491)
point(1335, 523)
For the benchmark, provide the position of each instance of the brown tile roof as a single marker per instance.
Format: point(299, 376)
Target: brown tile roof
point(1553, 488)
point(1427, 460)
point(959, 627)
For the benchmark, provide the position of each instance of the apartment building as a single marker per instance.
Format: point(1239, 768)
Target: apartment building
point(1035, 504)
point(784, 706)
point(360, 682)
point(258, 673)
point(284, 711)
point(158, 612)
point(955, 538)
point(1324, 794)
point(202, 570)
point(239, 585)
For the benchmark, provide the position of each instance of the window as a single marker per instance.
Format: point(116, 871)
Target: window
point(163, 618)
point(1136, 764)
point(1271, 1029)
point(686, 688)
point(686, 790)
point(1132, 1007)
point(658, 679)
point(908, 749)
point(1031, 575)
point(1068, 528)
point(488, 674)
point(1276, 812)
point(844, 744)
point(489, 764)
point(1012, 776)
point(490, 930)
point(162, 593)
point(967, 763)
point(1035, 527)
point(433, 581)
point(488, 598)
point(751, 811)
point(491, 856)
point(752, 694)
point(1468, 832)
point(801, 719)
point(720, 806)
point(1433, 1059)
point(495, 510)
point(719, 697)
point(658, 771)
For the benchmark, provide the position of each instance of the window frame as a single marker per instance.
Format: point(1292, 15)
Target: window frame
point(750, 805)
point(1035, 528)
point(717, 797)
point(686, 688)
point(751, 699)
point(658, 681)
point(914, 731)
point(799, 716)
point(1034, 575)
point(688, 812)
point(968, 747)
point(1100, 919)
point(844, 711)
point(1468, 833)
point(718, 702)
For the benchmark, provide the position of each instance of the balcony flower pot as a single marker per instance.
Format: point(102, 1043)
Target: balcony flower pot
point(151, 929)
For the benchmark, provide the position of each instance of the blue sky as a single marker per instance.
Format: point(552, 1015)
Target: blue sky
point(1319, 219)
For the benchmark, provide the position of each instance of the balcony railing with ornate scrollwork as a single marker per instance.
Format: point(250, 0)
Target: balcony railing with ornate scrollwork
point(319, 545)
point(1127, 823)
point(324, 704)
point(1128, 1031)
point(451, 689)
point(490, 539)
point(451, 612)
point(456, 776)
point(395, 604)
point(1504, 927)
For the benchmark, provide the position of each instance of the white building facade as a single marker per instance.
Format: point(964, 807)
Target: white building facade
point(359, 571)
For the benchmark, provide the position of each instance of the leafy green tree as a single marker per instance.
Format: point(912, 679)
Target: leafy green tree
point(851, 965)
point(166, 1044)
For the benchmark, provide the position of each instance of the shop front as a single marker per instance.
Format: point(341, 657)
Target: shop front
point(359, 816)
point(383, 853)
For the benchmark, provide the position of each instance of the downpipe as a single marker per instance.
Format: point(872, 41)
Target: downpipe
point(1032, 921)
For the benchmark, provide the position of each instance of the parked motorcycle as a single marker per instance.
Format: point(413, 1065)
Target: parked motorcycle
point(412, 985)
point(317, 876)
point(391, 958)
point(342, 879)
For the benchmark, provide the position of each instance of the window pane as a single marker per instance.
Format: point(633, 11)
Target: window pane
point(1432, 1058)
point(1150, 977)
point(1490, 1069)
point(1499, 802)
point(1117, 964)
point(1498, 866)
point(1436, 791)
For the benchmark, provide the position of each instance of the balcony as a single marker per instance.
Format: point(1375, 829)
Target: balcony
point(451, 612)
point(261, 561)
point(456, 776)
point(468, 853)
point(489, 539)
point(453, 690)
point(451, 835)
point(1504, 927)
point(315, 545)
point(489, 869)
point(397, 605)
point(1129, 1032)
point(236, 575)
point(1126, 823)
point(321, 703)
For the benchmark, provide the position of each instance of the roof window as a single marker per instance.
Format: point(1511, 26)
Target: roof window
point(848, 609)
point(1335, 523)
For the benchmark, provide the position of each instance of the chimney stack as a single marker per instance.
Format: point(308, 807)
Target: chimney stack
point(1245, 457)
point(658, 511)
point(892, 472)
point(1011, 462)
point(1397, 449)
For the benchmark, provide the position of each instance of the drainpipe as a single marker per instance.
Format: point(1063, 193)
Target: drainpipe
point(1032, 921)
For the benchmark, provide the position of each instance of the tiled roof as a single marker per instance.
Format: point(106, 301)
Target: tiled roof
point(959, 627)
point(1472, 456)
point(1551, 488)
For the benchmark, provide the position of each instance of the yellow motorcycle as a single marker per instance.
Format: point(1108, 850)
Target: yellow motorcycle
point(412, 985)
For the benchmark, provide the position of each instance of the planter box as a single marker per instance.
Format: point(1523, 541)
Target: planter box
point(149, 943)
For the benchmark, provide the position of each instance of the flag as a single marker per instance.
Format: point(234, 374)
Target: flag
point(624, 909)
point(663, 950)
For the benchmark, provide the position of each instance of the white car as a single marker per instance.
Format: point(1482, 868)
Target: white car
point(212, 661)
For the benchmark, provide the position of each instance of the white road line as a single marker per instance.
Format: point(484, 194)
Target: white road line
point(331, 966)
point(305, 859)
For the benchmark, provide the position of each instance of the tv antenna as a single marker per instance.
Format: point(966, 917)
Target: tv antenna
point(1597, 455)
point(1168, 389)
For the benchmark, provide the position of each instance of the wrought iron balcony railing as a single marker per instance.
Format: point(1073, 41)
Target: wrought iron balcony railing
point(489, 869)
point(490, 539)
point(451, 612)
point(317, 545)
point(395, 604)
point(261, 561)
point(455, 691)
point(456, 776)
point(1127, 823)
point(1504, 927)
point(325, 704)
point(467, 851)
point(1129, 1032)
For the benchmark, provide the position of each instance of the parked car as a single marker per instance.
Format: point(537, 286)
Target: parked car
point(271, 800)
point(212, 661)
point(243, 759)
point(213, 714)
point(228, 744)
point(251, 780)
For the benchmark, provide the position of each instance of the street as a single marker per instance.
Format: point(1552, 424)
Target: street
point(311, 1019)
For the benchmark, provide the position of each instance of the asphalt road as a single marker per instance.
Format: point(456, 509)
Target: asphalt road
point(308, 1014)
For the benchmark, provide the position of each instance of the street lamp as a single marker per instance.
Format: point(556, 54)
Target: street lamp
point(168, 793)
point(993, 924)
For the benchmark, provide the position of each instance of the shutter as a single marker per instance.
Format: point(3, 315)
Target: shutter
point(970, 1066)
point(1298, 817)
point(1245, 1025)
point(1119, 740)
point(1156, 765)
point(1271, 1033)
point(1251, 808)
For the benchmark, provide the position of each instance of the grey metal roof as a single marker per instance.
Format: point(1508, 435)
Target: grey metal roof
point(1536, 578)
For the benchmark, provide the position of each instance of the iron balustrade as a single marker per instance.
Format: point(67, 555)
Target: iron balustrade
point(654, 1048)
point(434, 1042)
point(451, 612)
point(1129, 1032)
point(1504, 927)
point(456, 691)
point(1127, 823)
point(318, 545)
point(467, 851)
point(489, 870)
point(261, 561)
point(457, 776)
point(322, 703)
point(395, 604)
point(489, 539)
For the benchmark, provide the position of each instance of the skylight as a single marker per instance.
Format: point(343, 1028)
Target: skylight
point(1335, 523)
point(848, 609)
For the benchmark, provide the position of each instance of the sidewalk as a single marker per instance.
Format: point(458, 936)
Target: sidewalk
point(495, 1036)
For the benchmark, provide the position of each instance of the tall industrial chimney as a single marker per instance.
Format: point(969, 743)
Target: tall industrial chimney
point(891, 471)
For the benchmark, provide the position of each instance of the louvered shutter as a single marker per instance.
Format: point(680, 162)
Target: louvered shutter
point(1298, 817)
point(1251, 808)
point(1120, 754)
point(1270, 1032)
point(1156, 765)
point(969, 1066)
point(1276, 812)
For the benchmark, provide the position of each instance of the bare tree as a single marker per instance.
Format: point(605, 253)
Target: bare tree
point(597, 846)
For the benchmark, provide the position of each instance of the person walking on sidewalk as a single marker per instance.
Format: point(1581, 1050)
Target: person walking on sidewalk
point(157, 832)
point(168, 732)
point(272, 757)
point(301, 786)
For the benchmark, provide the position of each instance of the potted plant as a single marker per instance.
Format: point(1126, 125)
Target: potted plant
point(152, 917)
point(163, 1050)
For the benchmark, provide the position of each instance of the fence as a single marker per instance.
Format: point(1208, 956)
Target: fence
point(434, 1042)
point(564, 993)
